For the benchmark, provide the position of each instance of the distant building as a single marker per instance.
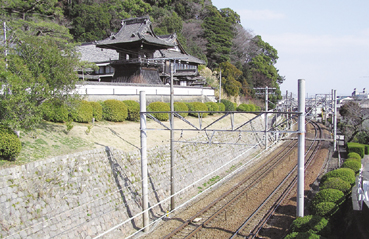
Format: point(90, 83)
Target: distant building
point(136, 55)
point(360, 95)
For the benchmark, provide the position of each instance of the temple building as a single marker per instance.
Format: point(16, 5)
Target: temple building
point(136, 55)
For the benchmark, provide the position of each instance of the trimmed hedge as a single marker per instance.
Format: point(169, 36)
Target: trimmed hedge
point(179, 106)
point(54, 110)
point(352, 164)
point(303, 235)
point(212, 107)
point(312, 223)
point(84, 112)
point(328, 195)
point(97, 110)
point(114, 110)
point(229, 106)
point(325, 209)
point(199, 106)
point(336, 183)
point(10, 144)
point(357, 148)
point(133, 110)
point(354, 155)
point(345, 174)
point(159, 106)
point(243, 107)
point(221, 106)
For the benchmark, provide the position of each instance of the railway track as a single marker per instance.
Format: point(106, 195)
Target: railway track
point(220, 211)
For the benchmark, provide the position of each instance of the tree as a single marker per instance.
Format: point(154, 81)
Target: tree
point(353, 120)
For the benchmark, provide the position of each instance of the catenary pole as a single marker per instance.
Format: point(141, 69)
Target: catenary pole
point(220, 84)
point(266, 117)
point(301, 149)
point(335, 120)
point(145, 200)
point(172, 157)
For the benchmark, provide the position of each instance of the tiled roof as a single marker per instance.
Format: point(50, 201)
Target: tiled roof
point(89, 52)
point(183, 57)
point(135, 30)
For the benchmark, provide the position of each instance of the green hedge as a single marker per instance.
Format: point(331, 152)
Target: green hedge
point(357, 148)
point(212, 107)
point(243, 107)
point(325, 209)
point(133, 110)
point(159, 106)
point(354, 155)
point(328, 195)
point(336, 183)
point(199, 106)
point(84, 112)
point(352, 164)
point(221, 106)
point(114, 110)
point(345, 174)
point(97, 110)
point(303, 235)
point(54, 110)
point(10, 145)
point(229, 106)
point(179, 106)
point(312, 223)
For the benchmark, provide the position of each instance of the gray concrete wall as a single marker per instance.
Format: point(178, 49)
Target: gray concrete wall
point(84, 194)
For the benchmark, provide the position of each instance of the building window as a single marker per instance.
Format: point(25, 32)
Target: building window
point(183, 83)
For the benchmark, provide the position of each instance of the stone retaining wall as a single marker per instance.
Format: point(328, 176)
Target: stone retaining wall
point(84, 194)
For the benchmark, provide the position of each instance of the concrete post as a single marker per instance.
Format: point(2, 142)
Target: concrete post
point(145, 195)
point(335, 120)
point(316, 106)
point(301, 149)
point(266, 117)
point(172, 157)
point(220, 84)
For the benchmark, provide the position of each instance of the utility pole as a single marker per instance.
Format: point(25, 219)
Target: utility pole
point(335, 120)
point(301, 149)
point(172, 156)
point(220, 84)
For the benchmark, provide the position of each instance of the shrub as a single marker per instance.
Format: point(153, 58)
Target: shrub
point(336, 183)
point(328, 195)
point(243, 107)
point(190, 107)
point(357, 148)
point(10, 145)
point(352, 164)
point(253, 107)
point(179, 106)
point(229, 106)
point(84, 112)
point(133, 109)
point(345, 174)
point(221, 106)
point(159, 106)
point(97, 110)
point(235, 106)
point(354, 155)
point(212, 107)
point(325, 209)
point(303, 235)
point(198, 106)
point(366, 149)
point(114, 110)
point(312, 223)
point(54, 110)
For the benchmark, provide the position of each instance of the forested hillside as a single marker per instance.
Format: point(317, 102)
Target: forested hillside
point(214, 35)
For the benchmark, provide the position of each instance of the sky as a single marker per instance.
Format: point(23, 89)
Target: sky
point(324, 42)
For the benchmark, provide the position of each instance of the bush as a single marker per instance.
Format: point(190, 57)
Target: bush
point(10, 145)
point(54, 110)
point(328, 195)
point(212, 107)
point(179, 106)
point(133, 110)
point(345, 174)
point(354, 155)
point(357, 148)
point(97, 110)
point(190, 107)
point(114, 110)
point(159, 106)
point(303, 235)
point(243, 107)
point(312, 223)
point(336, 183)
point(352, 164)
point(229, 106)
point(198, 106)
point(253, 107)
point(221, 106)
point(325, 209)
point(84, 112)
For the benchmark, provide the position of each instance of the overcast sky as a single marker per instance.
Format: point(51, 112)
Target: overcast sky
point(325, 42)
